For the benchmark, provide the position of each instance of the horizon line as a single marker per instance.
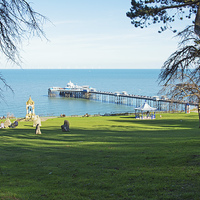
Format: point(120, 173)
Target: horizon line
point(78, 68)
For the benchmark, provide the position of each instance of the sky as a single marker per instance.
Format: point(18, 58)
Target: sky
point(93, 34)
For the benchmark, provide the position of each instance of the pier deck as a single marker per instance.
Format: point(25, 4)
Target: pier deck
point(162, 104)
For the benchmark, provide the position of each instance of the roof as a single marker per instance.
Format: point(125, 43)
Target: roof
point(146, 107)
point(30, 102)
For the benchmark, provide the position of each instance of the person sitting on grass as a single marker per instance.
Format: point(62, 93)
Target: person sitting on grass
point(2, 125)
point(14, 124)
point(65, 126)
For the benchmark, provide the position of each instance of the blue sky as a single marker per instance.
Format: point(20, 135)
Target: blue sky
point(96, 35)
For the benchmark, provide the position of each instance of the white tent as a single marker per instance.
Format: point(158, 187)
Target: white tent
point(146, 107)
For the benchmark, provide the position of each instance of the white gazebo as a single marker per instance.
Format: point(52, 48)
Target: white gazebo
point(145, 108)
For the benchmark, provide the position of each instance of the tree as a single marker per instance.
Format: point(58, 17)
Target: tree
point(17, 21)
point(146, 12)
point(180, 74)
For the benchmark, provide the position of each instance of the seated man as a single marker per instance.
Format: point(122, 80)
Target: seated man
point(65, 127)
point(14, 124)
point(2, 125)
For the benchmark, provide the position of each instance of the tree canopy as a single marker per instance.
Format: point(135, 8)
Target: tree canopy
point(146, 12)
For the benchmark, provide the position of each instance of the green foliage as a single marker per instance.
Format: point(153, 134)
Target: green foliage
point(146, 12)
point(102, 158)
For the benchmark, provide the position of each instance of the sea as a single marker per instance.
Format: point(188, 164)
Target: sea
point(35, 83)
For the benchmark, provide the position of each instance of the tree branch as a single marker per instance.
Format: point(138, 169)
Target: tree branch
point(179, 6)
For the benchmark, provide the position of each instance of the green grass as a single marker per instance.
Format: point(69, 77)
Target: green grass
point(102, 158)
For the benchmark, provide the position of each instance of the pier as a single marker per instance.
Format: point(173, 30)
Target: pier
point(86, 92)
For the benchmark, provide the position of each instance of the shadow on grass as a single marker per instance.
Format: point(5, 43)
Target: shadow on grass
point(102, 163)
point(181, 123)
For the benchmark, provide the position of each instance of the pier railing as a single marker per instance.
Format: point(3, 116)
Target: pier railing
point(126, 99)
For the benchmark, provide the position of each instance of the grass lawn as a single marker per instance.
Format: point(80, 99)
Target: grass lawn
point(115, 157)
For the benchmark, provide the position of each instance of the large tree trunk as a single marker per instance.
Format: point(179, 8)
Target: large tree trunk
point(197, 23)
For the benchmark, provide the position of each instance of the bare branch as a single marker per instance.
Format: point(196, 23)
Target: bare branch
point(17, 21)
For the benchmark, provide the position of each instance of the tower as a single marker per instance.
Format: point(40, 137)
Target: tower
point(30, 109)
